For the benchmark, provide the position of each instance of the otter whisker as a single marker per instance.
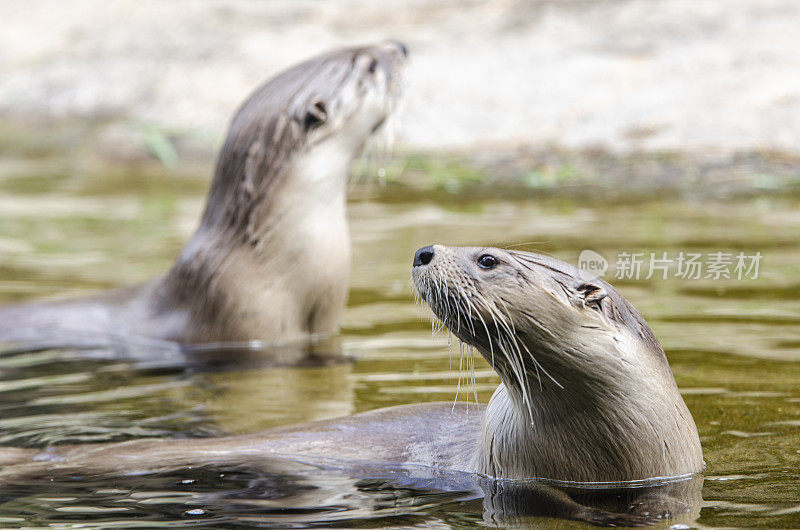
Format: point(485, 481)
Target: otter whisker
point(512, 351)
point(533, 320)
point(467, 308)
point(511, 332)
point(539, 366)
point(462, 306)
point(435, 301)
point(458, 312)
point(460, 368)
point(498, 319)
point(514, 357)
point(436, 324)
point(415, 292)
point(523, 244)
point(536, 364)
point(460, 301)
point(377, 152)
point(507, 314)
point(488, 337)
point(474, 377)
point(515, 361)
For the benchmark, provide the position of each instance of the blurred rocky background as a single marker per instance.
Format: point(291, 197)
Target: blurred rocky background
point(692, 95)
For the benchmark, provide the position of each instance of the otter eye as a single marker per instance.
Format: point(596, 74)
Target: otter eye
point(373, 66)
point(487, 261)
point(316, 115)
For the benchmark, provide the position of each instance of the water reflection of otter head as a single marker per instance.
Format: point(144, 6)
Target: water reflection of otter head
point(271, 257)
point(587, 392)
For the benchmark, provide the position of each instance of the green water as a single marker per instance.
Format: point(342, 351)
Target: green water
point(734, 346)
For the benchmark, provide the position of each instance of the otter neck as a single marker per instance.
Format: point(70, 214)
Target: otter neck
point(631, 425)
point(292, 252)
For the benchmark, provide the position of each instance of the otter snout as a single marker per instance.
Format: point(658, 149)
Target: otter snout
point(423, 256)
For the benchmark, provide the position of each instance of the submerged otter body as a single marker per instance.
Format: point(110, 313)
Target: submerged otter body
point(587, 393)
point(270, 260)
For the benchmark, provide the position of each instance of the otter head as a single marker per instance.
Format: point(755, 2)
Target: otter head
point(278, 196)
point(530, 315)
point(587, 393)
point(303, 128)
point(344, 97)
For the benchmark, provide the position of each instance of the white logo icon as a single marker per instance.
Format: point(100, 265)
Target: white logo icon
point(591, 265)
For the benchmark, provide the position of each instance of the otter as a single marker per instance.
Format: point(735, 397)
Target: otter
point(587, 394)
point(270, 259)
point(587, 398)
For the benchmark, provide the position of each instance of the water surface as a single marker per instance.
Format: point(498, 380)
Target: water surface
point(734, 347)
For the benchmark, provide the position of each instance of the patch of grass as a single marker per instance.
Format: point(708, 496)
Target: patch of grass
point(445, 174)
point(33, 184)
point(159, 144)
point(550, 177)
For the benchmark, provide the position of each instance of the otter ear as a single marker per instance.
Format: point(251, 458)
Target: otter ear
point(591, 294)
point(316, 114)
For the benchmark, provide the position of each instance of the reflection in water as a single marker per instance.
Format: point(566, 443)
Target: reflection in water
point(245, 401)
point(210, 390)
point(284, 493)
point(511, 502)
point(733, 346)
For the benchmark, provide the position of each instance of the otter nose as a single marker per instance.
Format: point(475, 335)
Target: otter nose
point(423, 256)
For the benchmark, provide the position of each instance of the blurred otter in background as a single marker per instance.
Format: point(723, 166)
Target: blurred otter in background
point(271, 258)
